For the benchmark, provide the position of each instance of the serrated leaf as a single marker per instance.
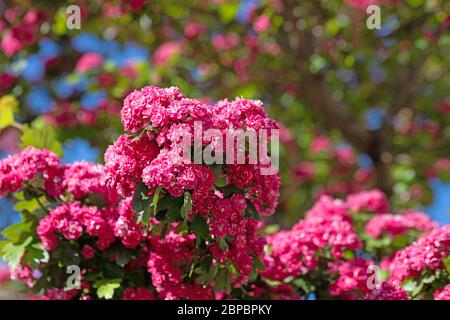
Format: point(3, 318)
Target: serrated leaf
point(15, 231)
point(156, 199)
point(140, 198)
point(209, 276)
point(223, 281)
point(30, 205)
point(187, 204)
point(223, 244)
point(106, 290)
point(200, 228)
point(250, 211)
point(40, 135)
point(348, 254)
point(13, 253)
point(8, 105)
point(6, 118)
point(36, 254)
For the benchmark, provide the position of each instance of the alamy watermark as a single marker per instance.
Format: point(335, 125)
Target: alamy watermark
point(74, 280)
point(374, 277)
point(73, 17)
point(374, 19)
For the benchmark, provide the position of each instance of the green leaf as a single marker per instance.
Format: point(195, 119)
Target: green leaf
point(40, 135)
point(209, 276)
point(271, 228)
point(220, 180)
point(250, 211)
point(174, 209)
point(429, 279)
point(15, 231)
point(228, 11)
point(8, 105)
point(146, 216)
point(223, 281)
point(303, 285)
point(13, 253)
point(223, 244)
point(140, 198)
point(200, 228)
point(30, 205)
point(230, 189)
point(6, 118)
point(36, 254)
point(447, 265)
point(259, 265)
point(106, 288)
point(348, 254)
point(156, 199)
point(187, 204)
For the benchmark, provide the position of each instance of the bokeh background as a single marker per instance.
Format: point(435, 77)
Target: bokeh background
point(359, 108)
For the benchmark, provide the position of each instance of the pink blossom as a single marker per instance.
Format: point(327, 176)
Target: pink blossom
point(304, 171)
point(389, 290)
point(442, 294)
point(28, 164)
point(374, 201)
point(427, 253)
point(87, 252)
point(88, 61)
point(83, 178)
point(71, 220)
point(399, 224)
point(352, 278)
point(192, 29)
point(9, 44)
point(262, 23)
point(319, 144)
point(164, 53)
point(225, 42)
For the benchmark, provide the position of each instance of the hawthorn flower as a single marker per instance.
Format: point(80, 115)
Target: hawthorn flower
point(30, 163)
point(389, 290)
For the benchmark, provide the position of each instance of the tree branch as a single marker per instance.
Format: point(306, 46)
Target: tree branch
point(316, 91)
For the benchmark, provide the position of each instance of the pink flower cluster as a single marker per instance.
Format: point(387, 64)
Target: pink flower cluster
point(160, 118)
point(59, 294)
point(389, 290)
point(21, 30)
point(297, 251)
point(83, 178)
point(125, 161)
point(427, 253)
point(374, 201)
point(442, 294)
point(88, 61)
point(171, 116)
point(352, 280)
point(399, 224)
point(29, 164)
point(153, 156)
point(72, 220)
point(148, 106)
point(167, 257)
